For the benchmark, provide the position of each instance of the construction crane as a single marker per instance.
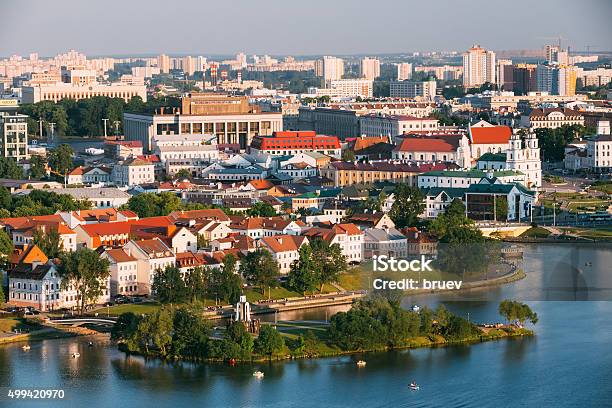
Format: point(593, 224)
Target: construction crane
point(558, 38)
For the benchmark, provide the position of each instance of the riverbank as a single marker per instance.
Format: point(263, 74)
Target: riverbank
point(320, 349)
point(37, 331)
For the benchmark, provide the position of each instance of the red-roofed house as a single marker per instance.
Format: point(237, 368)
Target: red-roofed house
point(447, 148)
point(284, 249)
point(488, 138)
point(348, 236)
point(152, 255)
point(123, 271)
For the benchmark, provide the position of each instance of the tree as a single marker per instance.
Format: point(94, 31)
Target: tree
point(10, 169)
point(261, 209)
point(408, 206)
point(87, 272)
point(454, 226)
point(2, 298)
point(49, 242)
point(6, 200)
point(269, 341)
point(501, 208)
point(158, 327)
point(168, 285)
point(153, 205)
point(190, 334)
point(329, 261)
point(348, 155)
point(182, 174)
point(224, 282)
point(195, 283)
point(260, 269)
point(37, 167)
point(60, 159)
point(125, 326)
point(303, 275)
point(237, 333)
point(517, 311)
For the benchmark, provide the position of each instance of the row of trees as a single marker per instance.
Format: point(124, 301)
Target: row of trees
point(183, 333)
point(58, 159)
point(84, 117)
point(554, 141)
point(38, 202)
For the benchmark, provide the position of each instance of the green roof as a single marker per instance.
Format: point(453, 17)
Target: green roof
point(497, 188)
point(494, 157)
point(474, 173)
point(451, 191)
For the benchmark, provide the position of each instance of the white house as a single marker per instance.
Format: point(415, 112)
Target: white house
point(284, 249)
point(123, 271)
point(133, 172)
point(389, 242)
point(152, 255)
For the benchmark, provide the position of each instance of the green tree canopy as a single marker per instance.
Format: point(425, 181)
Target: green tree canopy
point(409, 204)
point(269, 341)
point(260, 269)
point(88, 273)
point(168, 285)
point(60, 159)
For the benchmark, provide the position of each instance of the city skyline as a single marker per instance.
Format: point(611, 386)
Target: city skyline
point(335, 29)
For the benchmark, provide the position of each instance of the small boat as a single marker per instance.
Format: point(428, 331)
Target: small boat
point(361, 363)
point(91, 344)
point(258, 374)
point(414, 386)
point(25, 347)
point(75, 355)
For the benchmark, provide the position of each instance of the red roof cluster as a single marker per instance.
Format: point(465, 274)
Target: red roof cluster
point(490, 134)
point(292, 140)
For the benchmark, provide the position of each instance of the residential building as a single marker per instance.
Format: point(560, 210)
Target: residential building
point(284, 249)
point(347, 88)
point(388, 242)
point(465, 178)
point(14, 136)
point(59, 91)
point(478, 67)
point(332, 68)
point(89, 175)
point(343, 173)
point(122, 149)
point(123, 271)
point(481, 201)
point(103, 197)
point(404, 71)
point(599, 149)
point(369, 68)
point(552, 118)
point(152, 255)
point(394, 125)
point(413, 89)
point(133, 171)
point(348, 237)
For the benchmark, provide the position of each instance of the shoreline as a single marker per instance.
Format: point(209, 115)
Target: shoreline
point(414, 343)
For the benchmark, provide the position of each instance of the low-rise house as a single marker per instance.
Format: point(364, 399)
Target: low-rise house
point(284, 249)
point(298, 170)
point(133, 171)
point(348, 237)
point(372, 220)
point(453, 148)
point(437, 199)
point(420, 243)
point(186, 262)
point(103, 215)
point(464, 179)
point(552, 118)
point(152, 255)
point(89, 175)
point(123, 271)
point(388, 241)
point(103, 197)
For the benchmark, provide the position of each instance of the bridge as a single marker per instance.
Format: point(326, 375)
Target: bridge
point(78, 321)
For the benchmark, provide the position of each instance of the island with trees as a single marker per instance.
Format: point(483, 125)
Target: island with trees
point(373, 324)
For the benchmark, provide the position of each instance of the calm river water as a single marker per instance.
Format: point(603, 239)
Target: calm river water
point(567, 364)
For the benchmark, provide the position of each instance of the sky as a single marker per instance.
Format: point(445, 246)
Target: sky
point(290, 27)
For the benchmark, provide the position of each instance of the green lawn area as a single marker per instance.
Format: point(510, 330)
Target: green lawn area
point(535, 232)
point(605, 187)
point(254, 294)
point(9, 324)
point(594, 233)
point(136, 308)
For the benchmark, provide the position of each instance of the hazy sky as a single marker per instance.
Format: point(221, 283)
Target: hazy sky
point(202, 27)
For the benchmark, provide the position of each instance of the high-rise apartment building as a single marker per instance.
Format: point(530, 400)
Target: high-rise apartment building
point(556, 55)
point(478, 67)
point(14, 135)
point(188, 65)
point(369, 68)
point(404, 71)
point(332, 69)
point(163, 62)
point(556, 79)
point(501, 70)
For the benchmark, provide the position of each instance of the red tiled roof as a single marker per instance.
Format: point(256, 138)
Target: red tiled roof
point(283, 243)
point(428, 144)
point(490, 135)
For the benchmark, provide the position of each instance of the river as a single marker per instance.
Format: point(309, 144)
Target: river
point(567, 363)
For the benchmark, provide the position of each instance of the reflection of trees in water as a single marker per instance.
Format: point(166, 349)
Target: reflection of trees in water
point(516, 348)
point(5, 364)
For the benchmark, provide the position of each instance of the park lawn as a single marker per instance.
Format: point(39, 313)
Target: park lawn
point(11, 323)
point(606, 188)
point(254, 294)
point(136, 308)
point(595, 233)
point(535, 232)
